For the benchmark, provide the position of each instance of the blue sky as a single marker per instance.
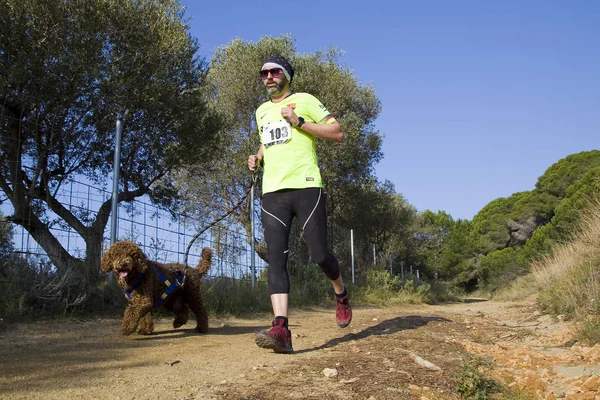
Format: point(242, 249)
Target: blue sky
point(479, 97)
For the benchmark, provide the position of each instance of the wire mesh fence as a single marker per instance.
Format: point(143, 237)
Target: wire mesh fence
point(164, 236)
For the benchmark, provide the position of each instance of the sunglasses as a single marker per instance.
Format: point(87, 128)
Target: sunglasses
point(275, 73)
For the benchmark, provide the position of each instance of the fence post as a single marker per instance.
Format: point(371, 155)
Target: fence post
point(391, 273)
point(352, 251)
point(252, 259)
point(374, 256)
point(402, 270)
point(115, 191)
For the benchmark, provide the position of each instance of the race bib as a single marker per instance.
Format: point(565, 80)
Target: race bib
point(276, 133)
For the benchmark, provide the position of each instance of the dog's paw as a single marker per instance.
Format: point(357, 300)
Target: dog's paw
point(180, 320)
point(126, 331)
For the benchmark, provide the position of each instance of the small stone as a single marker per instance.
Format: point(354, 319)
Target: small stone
point(398, 390)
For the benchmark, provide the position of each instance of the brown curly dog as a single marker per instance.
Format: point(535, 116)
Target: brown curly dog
point(149, 284)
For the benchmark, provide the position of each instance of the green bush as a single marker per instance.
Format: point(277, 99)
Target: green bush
point(383, 289)
point(472, 382)
point(33, 287)
point(499, 268)
point(442, 292)
point(590, 331)
point(313, 289)
point(540, 243)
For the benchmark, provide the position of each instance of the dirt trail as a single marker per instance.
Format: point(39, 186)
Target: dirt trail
point(382, 355)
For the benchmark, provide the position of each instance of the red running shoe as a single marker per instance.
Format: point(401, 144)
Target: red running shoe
point(278, 338)
point(343, 312)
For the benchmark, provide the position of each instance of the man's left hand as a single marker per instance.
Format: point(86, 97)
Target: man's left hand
point(289, 114)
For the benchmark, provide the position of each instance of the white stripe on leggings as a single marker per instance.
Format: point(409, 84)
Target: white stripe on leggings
point(282, 223)
point(313, 211)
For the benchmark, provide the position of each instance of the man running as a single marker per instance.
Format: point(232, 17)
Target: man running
point(288, 125)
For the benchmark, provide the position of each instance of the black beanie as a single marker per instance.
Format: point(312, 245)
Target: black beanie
point(278, 61)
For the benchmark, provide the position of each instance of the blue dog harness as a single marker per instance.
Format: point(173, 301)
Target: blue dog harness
point(134, 286)
point(171, 286)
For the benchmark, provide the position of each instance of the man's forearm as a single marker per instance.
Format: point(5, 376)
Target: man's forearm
point(332, 132)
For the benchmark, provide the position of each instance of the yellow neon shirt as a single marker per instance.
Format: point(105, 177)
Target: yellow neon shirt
point(289, 157)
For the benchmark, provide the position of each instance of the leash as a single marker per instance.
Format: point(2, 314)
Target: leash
point(239, 203)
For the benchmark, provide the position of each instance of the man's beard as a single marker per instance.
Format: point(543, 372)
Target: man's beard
point(278, 88)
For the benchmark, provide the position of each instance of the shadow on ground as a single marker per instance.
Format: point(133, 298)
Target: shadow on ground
point(475, 300)
point(387, 327)
point(183, 332)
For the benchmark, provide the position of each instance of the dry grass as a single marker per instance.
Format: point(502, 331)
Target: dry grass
point(521, 288)
point(569, 278)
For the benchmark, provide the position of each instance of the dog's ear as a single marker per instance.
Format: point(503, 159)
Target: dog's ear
point(106, 262)
point(139, 259)
point(205, 260)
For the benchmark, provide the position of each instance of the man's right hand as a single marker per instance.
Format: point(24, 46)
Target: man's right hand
point(253, 162)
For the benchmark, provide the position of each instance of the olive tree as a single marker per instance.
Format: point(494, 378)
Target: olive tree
point(69, 70)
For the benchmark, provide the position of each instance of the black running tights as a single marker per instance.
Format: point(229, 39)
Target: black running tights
point(278, 210)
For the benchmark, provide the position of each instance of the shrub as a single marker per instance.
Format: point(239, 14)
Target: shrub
point(34, 287)
point(569, 277)
point(499, 268)
point(382, 289)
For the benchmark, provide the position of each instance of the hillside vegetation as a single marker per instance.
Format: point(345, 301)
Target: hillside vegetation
point(569, 277)
point(502, 240)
